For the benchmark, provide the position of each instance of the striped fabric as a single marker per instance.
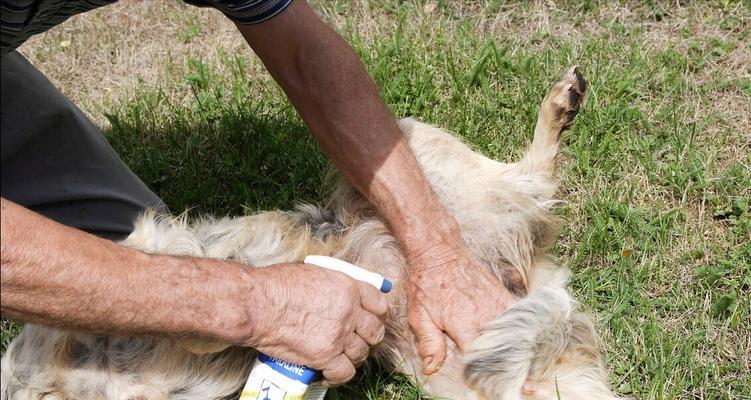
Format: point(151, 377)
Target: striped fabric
point(20, 19)
point(245, 12)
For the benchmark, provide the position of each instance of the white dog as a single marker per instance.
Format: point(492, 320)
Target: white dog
point(540, 348)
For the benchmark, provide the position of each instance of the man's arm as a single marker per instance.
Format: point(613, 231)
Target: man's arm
point(331, 90)
point(56, 275)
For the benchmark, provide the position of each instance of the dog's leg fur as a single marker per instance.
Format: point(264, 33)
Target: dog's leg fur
point(542, 339)
point(557, 113)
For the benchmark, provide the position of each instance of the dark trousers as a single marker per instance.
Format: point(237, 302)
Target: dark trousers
point(56, 162)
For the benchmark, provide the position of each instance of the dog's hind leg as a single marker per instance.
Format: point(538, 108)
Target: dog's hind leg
point(557, 114)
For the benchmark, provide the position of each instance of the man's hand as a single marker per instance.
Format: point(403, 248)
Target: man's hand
point(450, 293)
point(329, 87)
point(315, 317)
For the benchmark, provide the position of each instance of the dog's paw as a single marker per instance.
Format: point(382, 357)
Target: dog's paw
point(566, 97)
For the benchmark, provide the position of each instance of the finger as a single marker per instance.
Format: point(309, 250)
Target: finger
point(431, 345)
point(339, 371)
point(463, 333)
point(357, 351)
point(373, 300)
point(370, 329)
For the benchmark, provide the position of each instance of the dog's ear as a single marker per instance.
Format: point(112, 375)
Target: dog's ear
point(539, 347)
point(530, 334)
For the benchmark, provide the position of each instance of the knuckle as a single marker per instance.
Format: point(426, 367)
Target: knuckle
point(357, 354)
point(371, 330)
point(382, 306)
point(340, 374)
point(332, 377)
point(363, 354)
point(352, 286)
point(329, 354)
point(331, 373)
point(348, 373)
point(376, 332)
point(330, 350)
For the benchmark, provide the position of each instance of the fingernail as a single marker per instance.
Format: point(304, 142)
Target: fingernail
point(428, 367)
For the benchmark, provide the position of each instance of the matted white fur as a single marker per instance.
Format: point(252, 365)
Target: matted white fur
point(503, 210)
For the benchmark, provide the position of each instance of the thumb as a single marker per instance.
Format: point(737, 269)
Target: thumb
point(431, 344)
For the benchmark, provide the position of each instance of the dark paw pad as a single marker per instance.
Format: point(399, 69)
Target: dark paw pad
point(568, 95)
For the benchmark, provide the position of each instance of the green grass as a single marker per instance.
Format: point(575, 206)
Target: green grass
point(655, 175)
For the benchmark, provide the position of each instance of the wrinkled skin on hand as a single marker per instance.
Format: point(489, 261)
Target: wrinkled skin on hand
point(453, 294)
point(319, 318)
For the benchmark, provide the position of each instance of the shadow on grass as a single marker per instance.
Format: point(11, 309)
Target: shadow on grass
point(219, 160)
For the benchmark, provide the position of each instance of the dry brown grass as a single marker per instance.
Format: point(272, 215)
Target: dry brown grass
point(105, 55)
point(102, 56)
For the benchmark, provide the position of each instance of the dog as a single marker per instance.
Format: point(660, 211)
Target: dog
point(542, 347)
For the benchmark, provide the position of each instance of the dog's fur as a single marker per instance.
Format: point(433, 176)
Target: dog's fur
point(503, 210)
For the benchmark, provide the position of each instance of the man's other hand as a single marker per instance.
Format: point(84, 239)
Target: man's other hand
point(450, 293)
point(315, 317)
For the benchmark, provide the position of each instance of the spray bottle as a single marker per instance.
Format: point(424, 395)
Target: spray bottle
point(275, 379)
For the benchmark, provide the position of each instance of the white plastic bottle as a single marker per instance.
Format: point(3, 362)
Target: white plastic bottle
point(275, 379)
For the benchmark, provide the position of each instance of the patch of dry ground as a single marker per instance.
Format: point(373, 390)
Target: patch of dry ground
point(103, 55)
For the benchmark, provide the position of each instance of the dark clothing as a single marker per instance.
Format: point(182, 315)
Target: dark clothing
point(20, 19)
point(56, 162)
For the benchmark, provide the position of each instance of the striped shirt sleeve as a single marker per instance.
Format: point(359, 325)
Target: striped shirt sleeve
point(247, 11)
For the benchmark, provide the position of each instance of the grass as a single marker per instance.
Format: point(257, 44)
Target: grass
point(656, 172)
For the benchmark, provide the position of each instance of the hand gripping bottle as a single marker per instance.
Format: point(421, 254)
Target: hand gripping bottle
point(275, 379)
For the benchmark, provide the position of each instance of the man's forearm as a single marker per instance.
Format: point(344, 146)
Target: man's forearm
point(61, 276)
point(350, 121)
point(331, 90)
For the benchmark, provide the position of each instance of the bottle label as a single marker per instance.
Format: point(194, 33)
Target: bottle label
point(293, 371)
point(275, 379)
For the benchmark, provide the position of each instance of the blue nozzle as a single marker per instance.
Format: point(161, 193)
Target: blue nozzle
point(386, 286)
